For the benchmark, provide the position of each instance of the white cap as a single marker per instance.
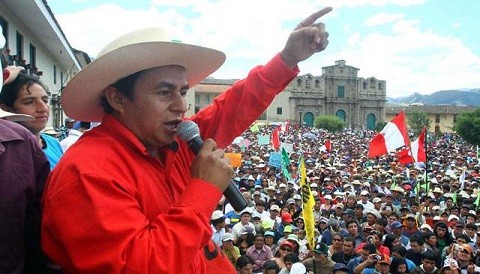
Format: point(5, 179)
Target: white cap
point(282, 185)
point(453, 216)
point(313, 185)
point(427, 226)
point(364, 193)
point(376, 200)
point(328, 197)
point(217, 214)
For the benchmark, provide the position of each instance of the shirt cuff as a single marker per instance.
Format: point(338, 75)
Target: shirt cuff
point(201, 195)
point(276, 69)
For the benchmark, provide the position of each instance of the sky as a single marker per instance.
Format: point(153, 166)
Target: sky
point(417, 46)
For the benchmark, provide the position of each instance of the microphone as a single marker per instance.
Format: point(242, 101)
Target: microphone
point(190, 133)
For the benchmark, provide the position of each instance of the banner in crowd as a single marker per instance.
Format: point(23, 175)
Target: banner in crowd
point(275, 159)
point(263, 140)
point(308, 202)
point(287, 146)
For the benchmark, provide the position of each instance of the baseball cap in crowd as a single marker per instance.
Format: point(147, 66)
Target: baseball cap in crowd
point(364, 193)
point(376, 200)
point(453, 216)
point(290, 201)
point(227, 237)
point(396, 225)
point(246, 229)
point(323, 220)
point(269, 233)
point(288, 229)
point(297, 197)
point(328, 197)
point(275, 207)
point(426, 226)
point(286, 217)
point(217, 214)
point(282, 185)
point(321, 248)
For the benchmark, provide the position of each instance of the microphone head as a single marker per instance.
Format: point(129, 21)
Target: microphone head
point(187, 130)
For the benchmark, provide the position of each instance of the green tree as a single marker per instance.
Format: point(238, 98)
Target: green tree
point(468, 126)
point(380, 125)
point(418, 120)
point(329, 122)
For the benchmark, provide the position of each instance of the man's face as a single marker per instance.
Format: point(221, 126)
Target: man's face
point(416, 247)
point(245, 218)
point(382, 268)
point(428, 265)
point(259, 242)
point(158, 106)
point(348, 247)
point(353, 228)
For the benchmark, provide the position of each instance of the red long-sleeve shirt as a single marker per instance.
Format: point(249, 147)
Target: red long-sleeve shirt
point(109, 207)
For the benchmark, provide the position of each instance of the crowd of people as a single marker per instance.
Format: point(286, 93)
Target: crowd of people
point(371, 215)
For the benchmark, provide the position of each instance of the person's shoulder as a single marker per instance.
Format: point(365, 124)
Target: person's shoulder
point(10, 129)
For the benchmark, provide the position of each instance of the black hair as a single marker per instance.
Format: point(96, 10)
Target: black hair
point(244, 260)
point(400, 249)
point(429, 255)
point(395, 263)
point(349, 239)
point(416, 238)
point(10, 91)
point(291, 257)
point(371, 248)
point(389, 239)
point(271, 265)
point(125, 86)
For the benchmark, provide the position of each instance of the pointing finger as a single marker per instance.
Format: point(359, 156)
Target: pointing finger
point(310, 20)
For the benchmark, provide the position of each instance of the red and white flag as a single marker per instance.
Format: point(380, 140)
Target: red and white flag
point(285, 126)
point(275, 139)
point(417, 148)
point(327, 146)
point(392, 136)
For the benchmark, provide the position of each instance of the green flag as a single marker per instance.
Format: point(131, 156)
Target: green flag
point(477, 201)
point(285, 163)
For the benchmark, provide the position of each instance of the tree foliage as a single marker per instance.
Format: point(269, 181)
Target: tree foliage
point(418, 120)
point(379, 126)
point(468, 126)
point(329, 122)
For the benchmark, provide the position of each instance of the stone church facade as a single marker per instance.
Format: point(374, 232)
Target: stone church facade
point(360, 102)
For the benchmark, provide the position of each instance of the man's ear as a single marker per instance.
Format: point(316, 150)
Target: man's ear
point(115, 98)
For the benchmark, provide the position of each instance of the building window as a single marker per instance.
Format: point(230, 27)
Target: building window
point(207, 99)
point(33, 57)
point(279, 111)
point(299, 82)
point(437, 118)
point(364, 85)
point(380, 86)
point(341, 92)
point(19, 46)
point(197, 98)
point(61, 78)
point(317, 83)
point(4, 25)
point(54, 74)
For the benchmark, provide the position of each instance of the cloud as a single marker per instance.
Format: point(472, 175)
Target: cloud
point(383, 18)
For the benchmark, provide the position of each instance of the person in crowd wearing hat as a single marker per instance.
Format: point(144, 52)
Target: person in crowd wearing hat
point(244, 264)
point(381, 266)
point(364, 195)
point(333, 227)
point(427, 265)
point(347, 253)
point(269, 236)
point(65, 128)
point(245, 218)
point(259, 252)
point(371, 216)
point(218, 225)
point(285, 248)
point(273, 220)
point(245, 239)
point(24, 169)
point(25, 94)
point(229, 249)
point(286, 221)
point(397, 230)
point(411, 227)
point(140, 100)
point(320, 263)
point(74, 135)
point(367, 258)
point(340, 268)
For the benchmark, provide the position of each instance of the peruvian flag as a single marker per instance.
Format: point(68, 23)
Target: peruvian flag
point(327, 146)
point(392, 136)
point(285, 126)
point(275, 139)
point(417, 148)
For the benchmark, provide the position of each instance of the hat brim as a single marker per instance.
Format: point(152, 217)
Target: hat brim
point(81, 96)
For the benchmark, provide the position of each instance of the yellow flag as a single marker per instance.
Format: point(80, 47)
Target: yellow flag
point(308, 202)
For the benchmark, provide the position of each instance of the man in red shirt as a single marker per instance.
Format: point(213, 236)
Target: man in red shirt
point(131, 197)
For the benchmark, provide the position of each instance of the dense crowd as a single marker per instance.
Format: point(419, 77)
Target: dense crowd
point(371, 215)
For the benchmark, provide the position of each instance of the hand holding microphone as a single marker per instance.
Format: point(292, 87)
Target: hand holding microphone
point(210, 164)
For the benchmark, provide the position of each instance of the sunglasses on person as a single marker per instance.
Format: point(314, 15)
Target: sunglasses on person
point(286, 249)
